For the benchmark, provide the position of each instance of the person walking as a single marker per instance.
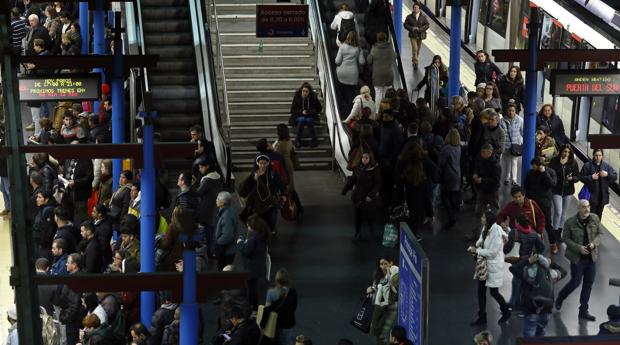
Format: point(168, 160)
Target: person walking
point(417, 24)
point(547, 117)
point(567, 172)
point(489, 248)
point(285, 147)
point(435, 79)
point(597, 175)
point(513, 126)
point(539, 183)
point(582, 235)
point(348, 62)
point(450, 168)
point(226, 230)
point(381, 58)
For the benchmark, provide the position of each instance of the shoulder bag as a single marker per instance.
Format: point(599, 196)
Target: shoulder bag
point(269, 324)
point(515, 149)
point(513, 256)
point(482, 269)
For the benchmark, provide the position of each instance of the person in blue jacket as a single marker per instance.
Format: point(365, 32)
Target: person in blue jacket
point(597, 175)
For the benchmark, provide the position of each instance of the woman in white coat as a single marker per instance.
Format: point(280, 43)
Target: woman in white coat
point(361, 101)
point(348, 62)
point(490, 246)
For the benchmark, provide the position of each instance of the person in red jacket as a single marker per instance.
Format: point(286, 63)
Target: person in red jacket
point(522, 205)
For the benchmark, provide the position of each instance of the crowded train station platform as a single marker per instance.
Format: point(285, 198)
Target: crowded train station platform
point(240, 172)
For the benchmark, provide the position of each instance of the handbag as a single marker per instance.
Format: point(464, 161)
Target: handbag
point(482, 270)
point(513, 256)
point(515, 149)
point(269, 324)
point(289, 210)
point(363, 315)
point(584, 193)
point(400, 213)
point(390, 235)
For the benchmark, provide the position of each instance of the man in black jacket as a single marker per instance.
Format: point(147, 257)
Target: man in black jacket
point(71, 311)
point(207, 189)
point(79, 173)
point(539, 183)
point(103, 231)
point(66, 230)
point(185, 198)
point(90, 248)
point(245, 331)
point(486, 177)
point(44, 226)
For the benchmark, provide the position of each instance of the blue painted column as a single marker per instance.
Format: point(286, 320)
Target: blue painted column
point(99, 49)
point(118, 104)
point(398, 22)
point(189, 308)
point(84, 27)
point(531, 82)
point(454, 78)
point(147, 216)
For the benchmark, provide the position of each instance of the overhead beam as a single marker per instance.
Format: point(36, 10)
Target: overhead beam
point(604, 141)
point(555, 55)
point(88, 61)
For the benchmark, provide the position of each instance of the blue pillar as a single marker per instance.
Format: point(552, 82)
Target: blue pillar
point(529, 129)
point(398, 23)
point(147, 217)
point(189, 307)
point(118, 104)
point(454, 80)
point(84, 27)
point(99, 48)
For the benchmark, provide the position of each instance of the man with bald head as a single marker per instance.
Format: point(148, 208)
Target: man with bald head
point(582, 235)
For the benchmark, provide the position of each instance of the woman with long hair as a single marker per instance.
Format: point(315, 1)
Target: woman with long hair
point(285, 147)
point(435, 79)
point(490, 247)
point(182, 221)
point(486, 70)
point(567, 172)
point(384, 292)
point(105, 182)
point(305, 111)
point(511, 88)
point(366, 184)
point(348, 62)
point(282, 298)
point(491, 97)
point(548, 118)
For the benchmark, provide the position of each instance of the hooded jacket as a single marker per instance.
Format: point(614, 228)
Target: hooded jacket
point(207, 190)
point(365, 181)
point(529, 240)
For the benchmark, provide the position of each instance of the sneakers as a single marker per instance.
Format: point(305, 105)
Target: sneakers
point(30, 127)
point(585, 315)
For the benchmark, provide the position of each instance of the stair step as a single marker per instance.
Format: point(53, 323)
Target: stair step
point(262, 95)
point(176, 66)
point(250, 138)
point(306, 164)
point(175, 106)
point(270, 71)
point(153, 3)
point(241, 128)
point(268, 49)
point(233, 84)
point(178, 120)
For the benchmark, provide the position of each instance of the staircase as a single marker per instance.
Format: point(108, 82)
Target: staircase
point(174, 84)
point(261, 84)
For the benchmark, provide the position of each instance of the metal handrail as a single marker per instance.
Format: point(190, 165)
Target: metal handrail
point(222, 70)
point(319, 37)
point(399, 63)
point(138, 10)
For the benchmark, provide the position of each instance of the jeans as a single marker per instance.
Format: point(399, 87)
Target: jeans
point(286, 336)
point(482, 299)
point(36, 116)
point(560, 206)
point(585, 269)
point(4, 188)
point(515, 296)
point(510, 167)
point(435, 194)
point(534, 325)
point(305, 121)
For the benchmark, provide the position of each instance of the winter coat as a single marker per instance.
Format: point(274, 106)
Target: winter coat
point(555, 125)
point(335, 25)
point(490, 248)
point(254, 249)
point(348, 62)
point(245, 333)
point(105, 190)
point(360, 102)
point(70, 234)
point(546, 149)
point(494, 103)
point(450, 168)
point(186, 199)
point(512, 209)
point(93, 256)
point(496, 137)
point(311, 104)
point(485, 71)
point(173, 246)
point(529, 240)
point(119, 202)
point(50, 176)
point(381, 58)
point(599, 189)
point(83, 178)
point(490, 172)
point(227, 230)
point(610, 327)
point(538, 185)
point(564, 186)
point(287, 150)
point(365, 182)
point(514, 131)
point(524, 271)
point(262, 194)
point(573, 237)
point(71, 310)
point(391, 140)
point(207, 190)
point(103, 232)
point(44, 225)
point(59, 267)
point(509, 89)
point(417, 28)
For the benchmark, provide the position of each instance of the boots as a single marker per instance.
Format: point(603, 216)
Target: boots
point(505, 316)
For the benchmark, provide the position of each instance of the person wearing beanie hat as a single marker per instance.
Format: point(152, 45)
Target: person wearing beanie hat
point(11, 313)
point(130, 243)
point(483, 338)
point(613, 325)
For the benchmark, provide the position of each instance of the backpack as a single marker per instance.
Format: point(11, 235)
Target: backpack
point(50, 330)
point(277, 166)
point(539, 278)
point(346, 26)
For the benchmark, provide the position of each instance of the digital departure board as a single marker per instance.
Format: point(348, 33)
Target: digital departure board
point(60, 87)
point(585, 82)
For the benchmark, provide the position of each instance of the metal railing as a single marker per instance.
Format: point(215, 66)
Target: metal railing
point(338, 134)
point(137, 8)
point(212, 13)
point(400, 82)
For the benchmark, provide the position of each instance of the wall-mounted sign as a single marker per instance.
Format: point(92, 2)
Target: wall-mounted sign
point(281, 20)
point(60, 87)
point(585, 82)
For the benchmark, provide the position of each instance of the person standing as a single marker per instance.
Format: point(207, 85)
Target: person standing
point(226, 230)
point(435, 79)
point(450, 168)
point(511, 88)
point(597, 176)
point(417, 24)
point(486, 71)
point(71, 310)
point(487, 173)
point(513, 126)
point(11, 315)
point(547, 117)
point(539, 182)
point(567, 172)
point(285, 147)
point(381, 58)
point(493, 134)
point(582, 235)
point(348, 62)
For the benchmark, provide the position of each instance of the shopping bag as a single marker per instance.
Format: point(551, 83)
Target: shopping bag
point(269, 325)
point(584, 193)
point(363, 316)
point(390, 235)
point(92, 201)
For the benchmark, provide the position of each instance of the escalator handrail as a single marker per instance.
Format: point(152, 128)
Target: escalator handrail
point(208, 93)
point(137, 7)
point(220, 57)
point(320, 38)
point(399, 62)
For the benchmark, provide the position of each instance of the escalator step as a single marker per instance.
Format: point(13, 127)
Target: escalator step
point(153, 3)
point(175, 92)
point(176, 106)
point(168, 39)
point(176, 51)
point(171, 134)
point(157, 13)
point(167, 25)
point(177, 66)
point(178, 120)
point(171, 79)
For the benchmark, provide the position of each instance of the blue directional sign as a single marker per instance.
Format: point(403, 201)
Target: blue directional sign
point(281, 20)
point(413, 287)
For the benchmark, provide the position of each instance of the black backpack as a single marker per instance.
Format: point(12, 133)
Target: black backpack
point(346, 26)
point(541, 294)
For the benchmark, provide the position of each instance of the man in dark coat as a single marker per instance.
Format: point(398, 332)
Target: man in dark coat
point(185, 198)
point(71, 310)
point(539, 183)
point(245, 331)
point(207, 189)
point(79, 173)
point(44, 226)
point(46, 292)
point(487, 173)
point(36, 31)
point(59, 251)
point(417, 24)
point(103, 231)
point(91, 248)
point(66, 230)
point(597, 176)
